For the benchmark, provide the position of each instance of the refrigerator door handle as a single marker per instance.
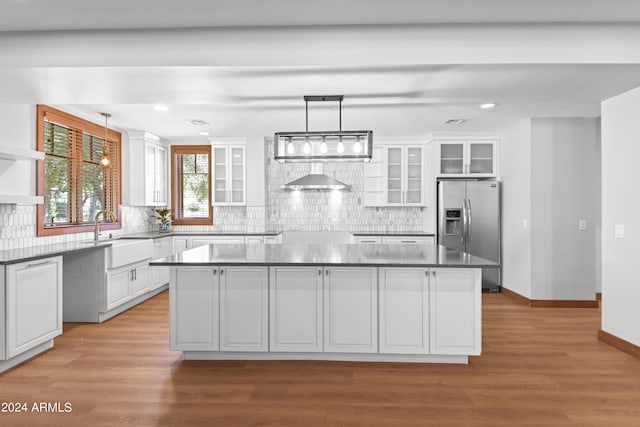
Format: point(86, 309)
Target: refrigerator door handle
point(463, 235)
point(469, 216)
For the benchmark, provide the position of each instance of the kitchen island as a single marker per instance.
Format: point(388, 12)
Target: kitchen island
point(408, 303)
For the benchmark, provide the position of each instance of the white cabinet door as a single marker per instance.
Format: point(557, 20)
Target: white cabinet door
point(202, 240)
point(229, 175)
point(179, 244)
point(481, 158)
point(477, 158)
point(140, 279)
point(118, 289)
point(160, 275)
point(244, 296)
point(350, 310)
point(405, 176)
point(408, 240)
point(295, 309)
point(148, 172)
point(33, 304)
point(194, 309)
point(455, 299)
point(404, 310)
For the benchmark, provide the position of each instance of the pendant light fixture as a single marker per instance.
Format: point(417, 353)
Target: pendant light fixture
point(105, 161)
point(323, 146)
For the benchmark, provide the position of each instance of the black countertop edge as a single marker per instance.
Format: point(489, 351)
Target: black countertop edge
point(306, 264)
point(396, 233)
point(28, 254)
point(158, 235)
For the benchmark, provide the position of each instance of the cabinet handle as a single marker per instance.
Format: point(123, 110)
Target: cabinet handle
point(131, 275)
point(215, 272)
point(426, 273)
point(326, 272)
point(319, 272)
point(433, 273)
point(135, 274)
point(408, 241)
point(221, 272)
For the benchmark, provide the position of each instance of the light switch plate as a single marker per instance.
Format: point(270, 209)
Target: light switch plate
point(619, 231)
point(582, 224)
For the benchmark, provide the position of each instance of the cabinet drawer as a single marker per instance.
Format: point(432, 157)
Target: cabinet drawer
point(409, 240)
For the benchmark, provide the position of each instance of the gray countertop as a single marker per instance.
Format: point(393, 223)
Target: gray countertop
point(12, 256)
point(157, 234)
point(394, 233)
point(373, 255)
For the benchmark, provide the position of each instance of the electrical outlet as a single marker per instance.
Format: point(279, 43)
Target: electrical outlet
point(582, 224)
point(619, 231)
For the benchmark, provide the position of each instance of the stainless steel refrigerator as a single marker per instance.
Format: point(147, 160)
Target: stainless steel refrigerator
point(469, 221)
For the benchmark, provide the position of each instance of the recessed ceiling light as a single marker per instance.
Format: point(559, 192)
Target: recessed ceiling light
point(205, 133)
point(197, 122)
point(455, 121)
point(160, 107)
point(488, 105)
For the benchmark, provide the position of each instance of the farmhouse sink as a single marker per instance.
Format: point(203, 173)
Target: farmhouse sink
point(126, 251)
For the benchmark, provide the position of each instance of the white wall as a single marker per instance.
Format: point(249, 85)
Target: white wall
point(564, 189)
point(621, 205)
point(515, 155)
point(18, 129)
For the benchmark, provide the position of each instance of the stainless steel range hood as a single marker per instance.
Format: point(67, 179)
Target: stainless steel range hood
point(316, 181)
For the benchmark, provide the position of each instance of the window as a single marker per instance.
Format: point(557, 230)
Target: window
point(73, 183)
point(190, 188)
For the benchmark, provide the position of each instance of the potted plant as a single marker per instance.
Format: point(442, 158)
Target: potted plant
point(163, 217)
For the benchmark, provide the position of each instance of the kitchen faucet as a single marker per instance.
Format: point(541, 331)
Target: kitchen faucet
point(96, 231)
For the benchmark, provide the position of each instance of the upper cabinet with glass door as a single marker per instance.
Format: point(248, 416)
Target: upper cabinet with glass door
point(475, 158)
point(229, 175)
point(405, 175)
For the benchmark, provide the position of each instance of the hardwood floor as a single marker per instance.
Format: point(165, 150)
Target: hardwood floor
point(539, 367)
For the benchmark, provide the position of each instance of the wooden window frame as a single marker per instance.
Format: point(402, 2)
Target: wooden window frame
point(176, 192)
point(74, 122)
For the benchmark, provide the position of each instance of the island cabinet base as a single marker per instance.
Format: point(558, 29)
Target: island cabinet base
point(332, 312)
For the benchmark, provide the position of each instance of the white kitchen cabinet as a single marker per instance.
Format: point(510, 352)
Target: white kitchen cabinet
point(455, 311)
point(10, 154)
point(272, 239)
point(148, 183)
point(33, 304)
point(404, 173)
point(295, 309)
point(194, 309)
point(374, 178)
point(161, 249)
point(350, 310)
point(396, 176)
point(474, 158)
point(244, 318)
point(229, 175)
point(179, 244)
point(125, 283)
point(368, 239)
point(196, 241)
point(404, 310)
point(408, 240)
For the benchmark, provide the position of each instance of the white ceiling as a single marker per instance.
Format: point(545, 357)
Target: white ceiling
point(258, 100)
point(30, 15)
